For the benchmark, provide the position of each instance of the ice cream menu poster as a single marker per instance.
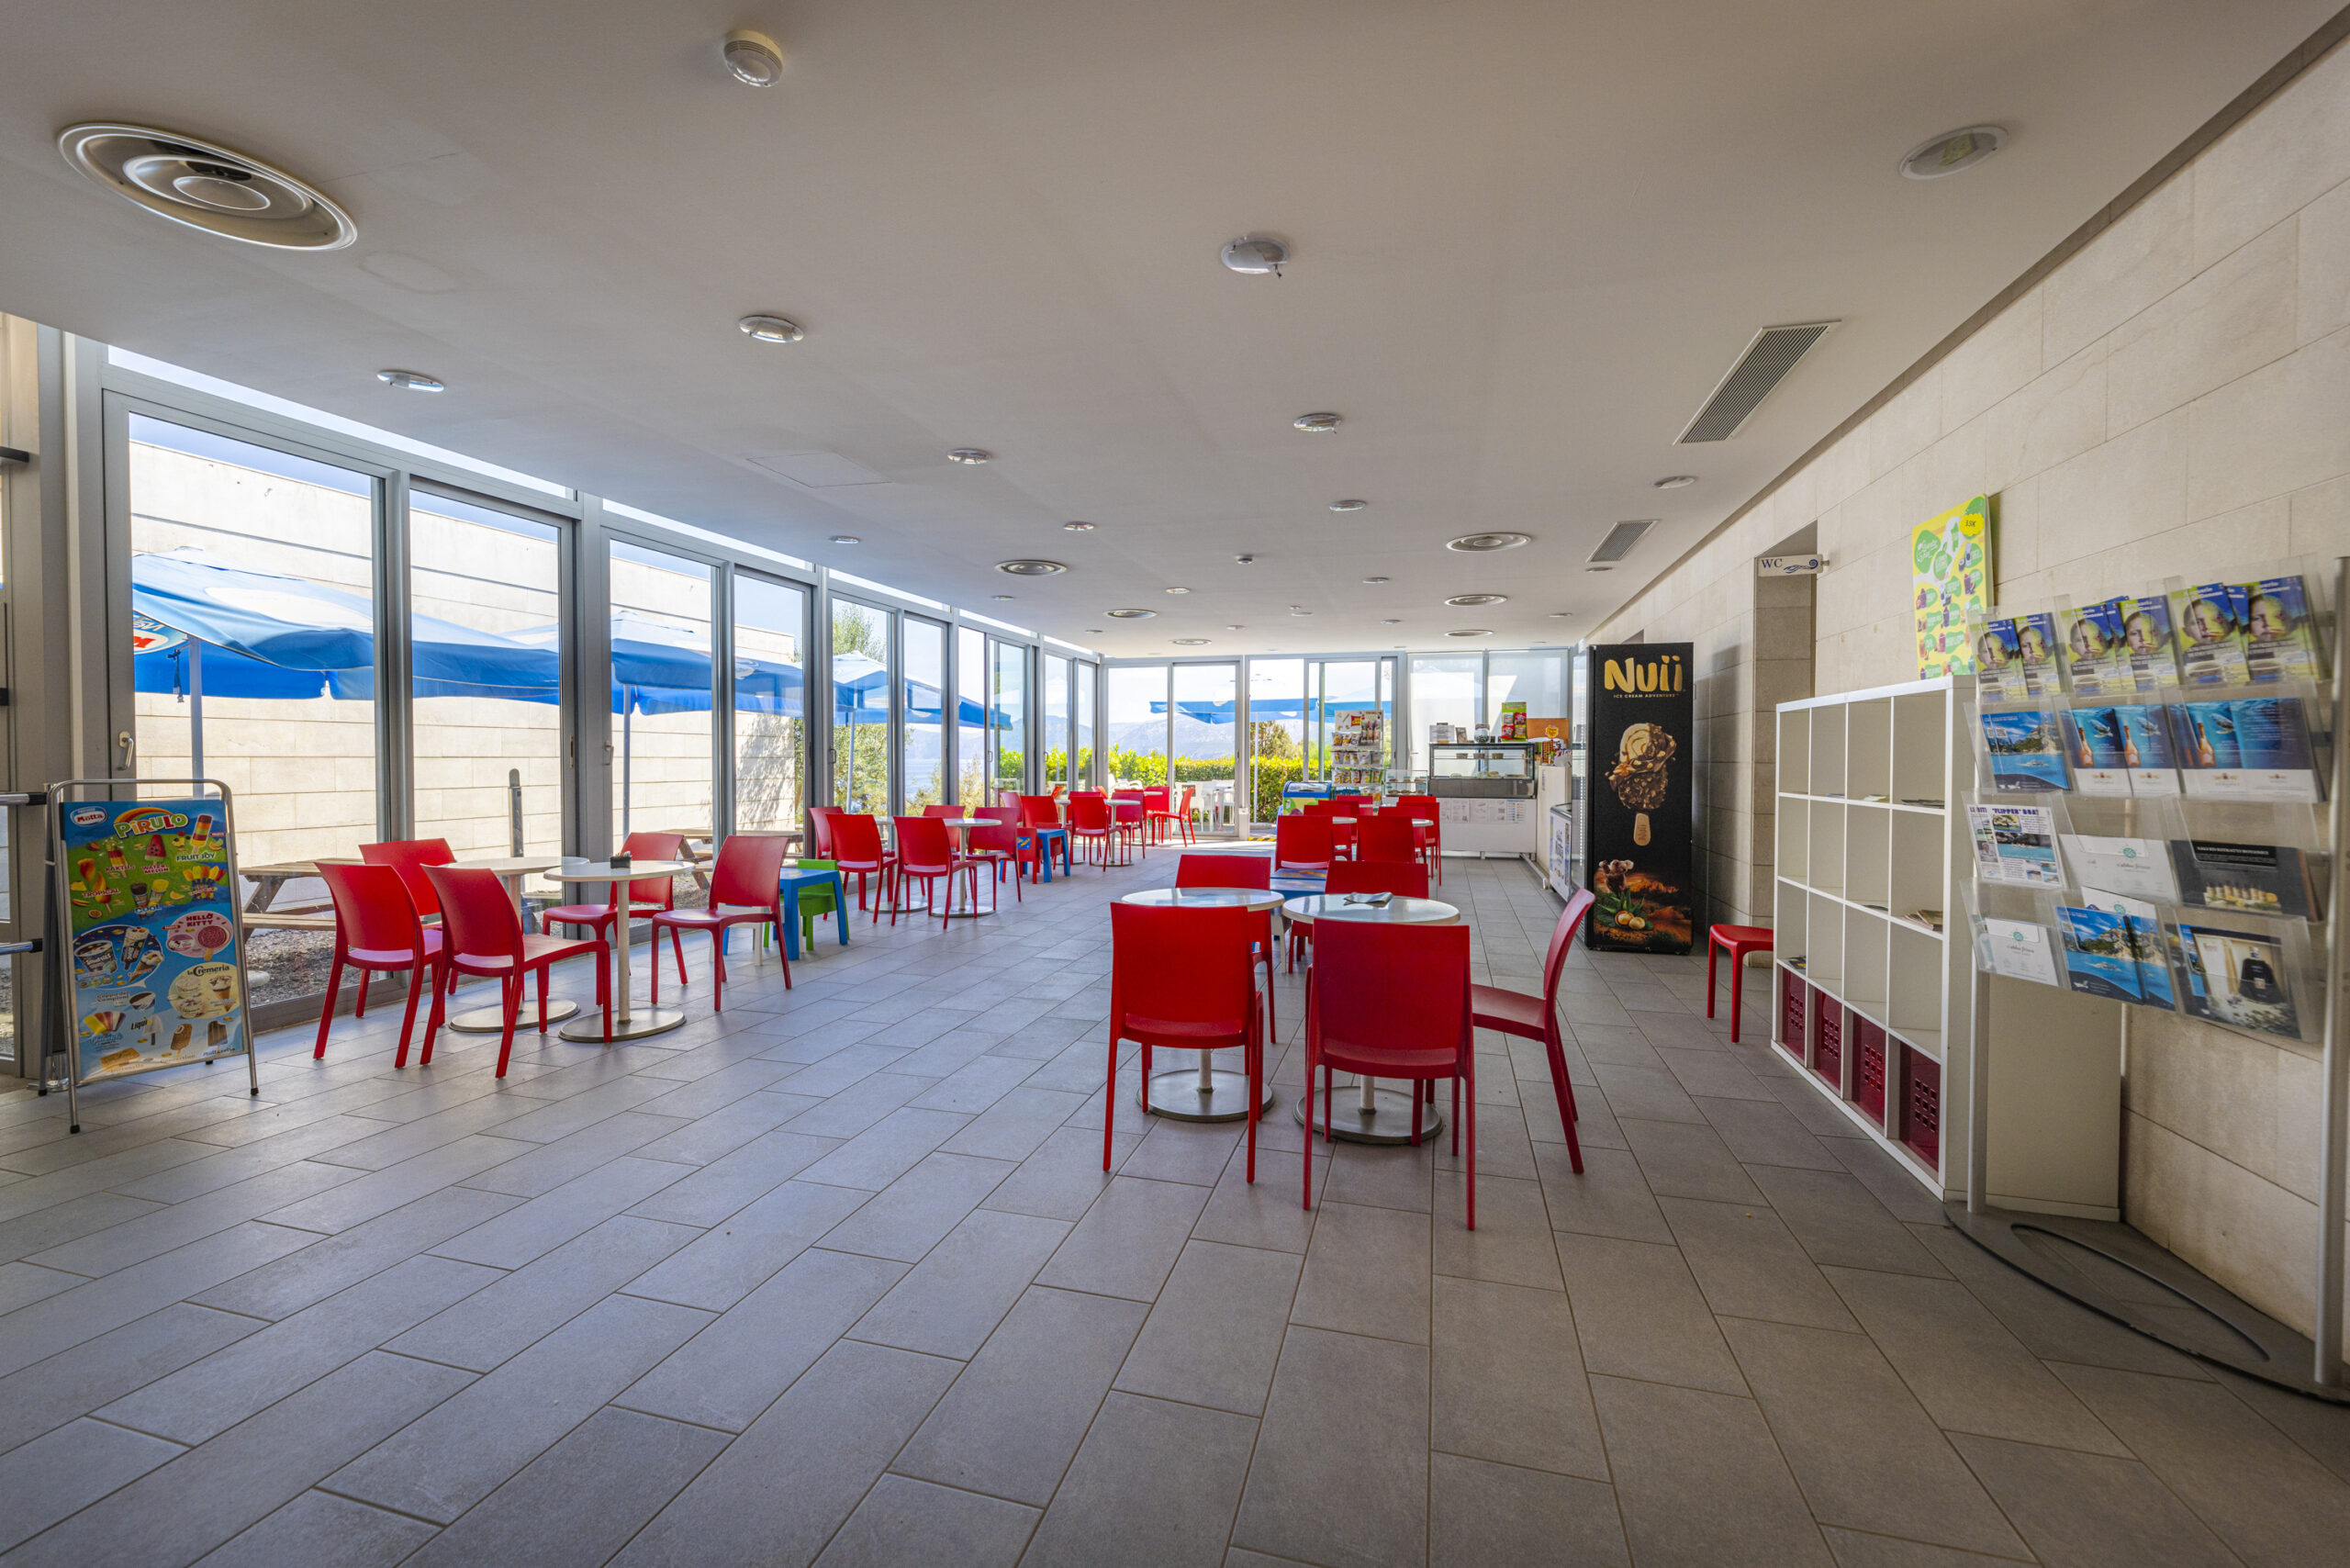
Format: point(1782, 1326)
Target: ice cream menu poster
point(156, 976)
point(1949, 560)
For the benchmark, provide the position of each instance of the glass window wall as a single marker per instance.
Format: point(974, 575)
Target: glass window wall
point(1008, 719)
point(1538, 678)
point(970, 719)
point(1056, 736)
point(1082, 773)
point(861, 683)
point(1205, 735)
point(662, 763)
point(925, 726)
point(1137, 732)
point(771, 704)
point(1276, 733)
point(1447, 689)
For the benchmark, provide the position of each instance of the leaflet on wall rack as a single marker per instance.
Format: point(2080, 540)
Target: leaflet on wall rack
point(2097, 654)
point(2135, 867)
point(2018, 949)
point(2251, 879)
point(2099, 745)
point(2208, 621)
point(2239, 978)
point(2281, 640)
point(2149, 642)
point(2015, 845)
point(2099, 960)
point(2026, 751)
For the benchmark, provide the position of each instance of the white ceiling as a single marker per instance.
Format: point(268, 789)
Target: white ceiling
point(1530, 235)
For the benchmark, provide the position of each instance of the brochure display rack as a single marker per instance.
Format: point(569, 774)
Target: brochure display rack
point(1358, 753)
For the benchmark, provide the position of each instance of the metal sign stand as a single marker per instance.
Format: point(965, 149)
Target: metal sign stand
point(2334, 1111)
point(60, 1033)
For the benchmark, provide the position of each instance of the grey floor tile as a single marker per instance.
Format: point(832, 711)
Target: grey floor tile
point(733, 1181)
point(1616, 1046)
point(725, 1375)
point(1700, 1481)
point(2321, 1428)
point(1854, 1549)
point(904, 1521)
point(833, 1434)
point(1838, 1221)
point(380, 1191)
point(1340, 1475)
point(1507, 1381)
point(1512, 1242)
point(1638, 1314)
point(1128, 1239)
point(152, 1234)
point(1063, 1176)
point(319, 1528)
point(735, 1256)
point(917, 1209)
point(39, 1228)
point(974, 1086)
point(1886, 1176)
point(952, 1299)
point(1706, 1074)
point(548, 1166)
point(1195, 1153)
point(1645, 1093)
point(52, 1392)
point(886, 1150)
point(21, 1284)
point(1397, 1178)
point(2052, 1326)
point(1154, 1481)
point(1684, 1161)
point(1367, 1273)
point(440, 1466)
point(1866, 1454)
point(60, 1322)
point(1750, 1266)
point(1481, 1514)
point(716, 1133)
point(1268, 1212)
point(1215, 1332)
point(1608, 1197)
point(1014, 1417)
point(1015, 1125)
point(179, 1512)
point(332, 1263)
point(1969, 1372)
point(66, 1470)
point(2080, 1510)
point(583, 1499)
point(1762, 1132)
point(516, 1310)
point(538, 1225)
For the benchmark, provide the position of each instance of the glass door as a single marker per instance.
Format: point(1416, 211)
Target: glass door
point(1081, 775)
point(1057, 744)
point(1351, 722)
point(1205, 742)
point(1276, 733)
point(771, 704)
point(861, 680)
point(922, 745)
point(1008, 721)
point(1136, 740)
point(661, 687)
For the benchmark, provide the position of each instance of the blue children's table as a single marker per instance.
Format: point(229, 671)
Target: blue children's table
point(789, 881)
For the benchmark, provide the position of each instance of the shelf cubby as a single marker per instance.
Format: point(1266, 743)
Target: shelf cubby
point(1793, 823)
point(1826, 960)
point(1920, 855)
point(1868, 852)
point(1868, 748)
point(1922, 747)
point(1825, 850)
point(1865, 937)
point(1827, 752)
point(1913, 1010)
point(1794, 751)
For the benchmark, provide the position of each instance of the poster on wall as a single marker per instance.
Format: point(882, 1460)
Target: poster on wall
point(156, 971)
point(1640, 845)
point(1949, 559)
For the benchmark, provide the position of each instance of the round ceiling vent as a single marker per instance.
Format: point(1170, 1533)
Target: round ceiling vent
point(1130, 614)
point(1318, 424)
point(1951, 152)
point(1031, 568)
point(1484, 543)
point(207, 187)
point(1472, 600)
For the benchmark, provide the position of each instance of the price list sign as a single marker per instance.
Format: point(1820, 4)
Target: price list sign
point(157, 974)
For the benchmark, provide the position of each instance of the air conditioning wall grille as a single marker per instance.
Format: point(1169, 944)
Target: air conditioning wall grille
point(1766, 361)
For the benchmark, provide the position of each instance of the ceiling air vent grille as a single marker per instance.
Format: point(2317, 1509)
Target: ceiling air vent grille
point(1757, 374)
point(1621, 538)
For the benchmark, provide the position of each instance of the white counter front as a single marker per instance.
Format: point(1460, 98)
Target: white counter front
point(1490, 827)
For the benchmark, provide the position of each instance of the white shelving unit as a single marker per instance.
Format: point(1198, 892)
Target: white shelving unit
point(1878, 1011)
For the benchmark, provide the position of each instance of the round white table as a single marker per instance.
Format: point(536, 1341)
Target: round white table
point(630, 1021)
point(1204, 1093)
point(1374, 1115)
point(510, 870)
point(961, 827)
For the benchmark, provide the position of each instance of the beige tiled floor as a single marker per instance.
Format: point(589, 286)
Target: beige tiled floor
point(838, 1277)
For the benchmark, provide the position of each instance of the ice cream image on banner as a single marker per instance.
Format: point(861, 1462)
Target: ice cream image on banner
point(1640, 774)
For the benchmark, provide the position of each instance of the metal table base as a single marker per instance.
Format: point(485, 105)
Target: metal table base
point(1202, 1093)
point(492, 1020)
point(641, 1022)
point(1372, 1114)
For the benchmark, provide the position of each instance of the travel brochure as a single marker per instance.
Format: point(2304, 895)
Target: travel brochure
point(2015, 845)
point(2252, 878)
point(2018, 949)
point(2238, 977)
point(2138, 867)
point(2253, 633)
point(2113, 948)
point(2027, 752)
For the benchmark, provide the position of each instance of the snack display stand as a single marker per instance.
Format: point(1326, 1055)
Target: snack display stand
point(1358, 753)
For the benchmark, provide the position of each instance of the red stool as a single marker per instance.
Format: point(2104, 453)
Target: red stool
point(1741, 940)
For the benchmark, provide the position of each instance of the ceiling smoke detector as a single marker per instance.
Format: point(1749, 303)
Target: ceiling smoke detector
point(1031, 568)
point(1318, 424)
point(1350, 504)
point(1233, 628)
point(1256, 255)
point(1561, 614)
point(1473, 600)
point(1001, 598)
point(971, 454)
point(1130, 614)
point(1179, 590)
point(753, 58)
point(410, 380)
point(208, 186)
point(770, 328)
point(1951, 152)
point(1485, 544)
point(1391, 623)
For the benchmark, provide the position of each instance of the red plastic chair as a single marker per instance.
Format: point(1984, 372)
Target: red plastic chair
point(1000, 845)
point(856, 848)
point(1156, 812)
point(377, 931)
point(1127, 808)
point(1741, 940)
point(646, 895)
point(744, 891)
point(1303, 844)
point(1387, 838)
point(925, 853)
point(485, 937)
point(1176, 819)
point(1091, 827)
point(1392, 1001)
point(1042, 812)
point(820, 831)
point(1254, 873)
point(1404, 879)
point(946, 811)
point(410, 857)
point(1537, 1017)
point(1422, 809)
point(1185, 980)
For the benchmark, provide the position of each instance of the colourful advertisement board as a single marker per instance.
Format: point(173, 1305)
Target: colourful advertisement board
point(1950, 561)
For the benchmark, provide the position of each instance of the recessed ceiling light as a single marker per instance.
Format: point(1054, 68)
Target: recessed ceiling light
point(1391, 623)
point(1318, 424)
point(1374, 579)
point(753, 58)
point(1031, 568)
point(1233, 628)
point(1244, 560)
point(410, 380)
point(1301, 613)
point(846, 539)
point(1484, 544)
point(1599, 569)
point(971, 454)
point(1676, 482)
point(1951, 152)
point(1471, 631)
point(1561, 614)
point(1472, 600)
point(1095, 631)
point(1001, 598)
point(1078, 527)
point(1179, 590)
point(1190, 641)
point(1350, 504)
point(1130, 614)
point(1256, 255)
point(770, 328)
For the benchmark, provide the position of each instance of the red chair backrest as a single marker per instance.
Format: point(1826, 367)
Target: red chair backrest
point(1252, 871)
point(1181, 971)
point(1322, 807)
point(1350, 805)
point(372, 908)
point(659, 891)
point(746, 870)
point(1303, 841)
point(922, 845)
point(1562, 941)
point(410, 857)
point(1002, 832)
point(1188, 794)
point(820, 830)
point(1380, 986)
point(943, 812)
point(1419, 807)
point(1088, 813)
point(1404, 879)
point(1385, 838)
point(476, 912)
point(856, 842)
point(1155, 798)
point(1040, 810)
